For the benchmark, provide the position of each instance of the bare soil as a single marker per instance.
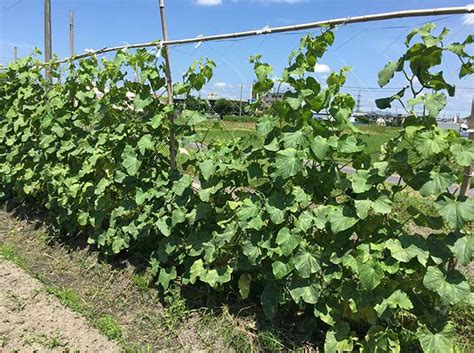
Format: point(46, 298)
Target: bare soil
point(33, 320)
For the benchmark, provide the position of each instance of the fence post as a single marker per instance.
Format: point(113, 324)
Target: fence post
point(47, 39)
point(169, 89)
point(466, 181)
point(71, 33)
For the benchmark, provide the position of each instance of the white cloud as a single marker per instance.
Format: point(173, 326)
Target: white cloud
point(468, 19)
point(274, 1)
point(209, 2)
point(321, 68)
point(220, 84)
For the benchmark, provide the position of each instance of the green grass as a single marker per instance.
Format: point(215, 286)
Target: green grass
point(68, 297)
point(232, 128)
point(9, 253)
point(109, 327)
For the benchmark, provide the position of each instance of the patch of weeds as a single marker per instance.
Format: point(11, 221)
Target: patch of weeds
point(9, 253)
point(462, 317)
point(175, 309)
point(141, 281)
point(54, 341)
point(68, 297)
point(270, 341)
point(109, 327)
point(225, 329)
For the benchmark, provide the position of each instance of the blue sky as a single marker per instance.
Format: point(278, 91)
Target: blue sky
point(364, 47)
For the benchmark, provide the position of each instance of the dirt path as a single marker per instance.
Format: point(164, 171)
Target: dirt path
point(33, 320)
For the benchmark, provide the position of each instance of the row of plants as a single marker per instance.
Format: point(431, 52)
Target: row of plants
point(274, 216)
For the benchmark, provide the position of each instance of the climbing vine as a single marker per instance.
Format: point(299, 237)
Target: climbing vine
point(275, 216)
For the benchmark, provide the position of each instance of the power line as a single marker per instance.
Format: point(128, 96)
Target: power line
point(5, 9)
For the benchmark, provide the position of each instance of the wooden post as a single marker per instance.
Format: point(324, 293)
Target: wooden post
point(169, 88)
point(15, 53)
point(466, 181)
point(71, 33)
point(47, 38)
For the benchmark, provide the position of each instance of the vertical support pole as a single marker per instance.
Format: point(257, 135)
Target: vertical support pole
point(169, 89)
point(71, 33)
point(466, 181)
point(240, 101)
point(15, 53)
point(47, 38)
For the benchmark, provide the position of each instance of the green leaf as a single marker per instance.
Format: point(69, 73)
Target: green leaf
point(304, 289)
point(360, 181)
point(320, 147)
point(371, 274)
point(455, 212)
point(386, 74)
point(244, 285)
point(451, 287)
point(339, 339)
point(437, 342)
point(306, 264)
point(145, 143)
point(130, 161)
point(289, 162)
point(429, 144)
point(286, 241)
point(410, 249)
point(463, 249)
point(397, 299)
point(438, 183)
point(340, 219)
point(208, 167)
point(280, 269)
point(463, 155)
point(166, 276)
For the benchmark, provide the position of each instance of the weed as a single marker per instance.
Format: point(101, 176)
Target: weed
point(175, 310)
point(109, 327)
point(68, 297)
point(9, 253)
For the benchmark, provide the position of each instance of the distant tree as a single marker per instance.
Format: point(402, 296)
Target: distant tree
point(225, 107)
point(198, 104)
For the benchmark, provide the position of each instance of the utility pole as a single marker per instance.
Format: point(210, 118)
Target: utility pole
point(358, 103)
point(240, 102)
point(466, 181)
point(15, 53)
point(47, 38)
point(169, 89)
point(71, 33)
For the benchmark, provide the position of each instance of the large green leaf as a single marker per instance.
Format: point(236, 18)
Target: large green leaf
point(304, 290)
point(456, 212)
point(463, 155)
point(463, 249)
point(306, 264)
point(429, 144)
point(130, 161)
point(371, 274)
point(451, 287)
point(438, 183)
point(341, 219)
point(339, 340)
point(289, 162)
point(438, 341)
